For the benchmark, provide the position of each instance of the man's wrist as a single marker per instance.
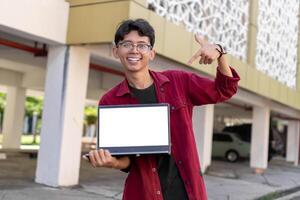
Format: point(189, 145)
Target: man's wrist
point(224, 67)
point(121, 163)
point(221, 50)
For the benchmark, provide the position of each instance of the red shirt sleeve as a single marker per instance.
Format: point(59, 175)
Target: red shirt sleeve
point(206, 91)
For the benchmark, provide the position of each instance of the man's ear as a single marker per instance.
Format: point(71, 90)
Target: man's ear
point(115, 52)
point(152, 54)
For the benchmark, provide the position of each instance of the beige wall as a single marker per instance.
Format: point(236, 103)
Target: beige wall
point(94, 21)
point(44, 21)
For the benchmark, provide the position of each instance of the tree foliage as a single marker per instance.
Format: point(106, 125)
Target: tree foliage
point(90, 115)
point(34, 105)
point(2, 102)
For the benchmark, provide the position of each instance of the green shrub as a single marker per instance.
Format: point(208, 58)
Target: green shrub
point(90, 115)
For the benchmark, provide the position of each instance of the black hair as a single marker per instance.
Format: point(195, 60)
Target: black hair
point(140, 25)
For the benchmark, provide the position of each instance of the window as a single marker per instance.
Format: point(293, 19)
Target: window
point(222, 138)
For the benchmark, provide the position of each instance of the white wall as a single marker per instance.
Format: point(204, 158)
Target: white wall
point(39, 20)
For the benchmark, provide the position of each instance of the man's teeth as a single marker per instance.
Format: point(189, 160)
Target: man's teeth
point(133, 59)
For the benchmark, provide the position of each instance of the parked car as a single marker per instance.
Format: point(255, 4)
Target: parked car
point(243, 130)
point(230, 146)
point(276, 142)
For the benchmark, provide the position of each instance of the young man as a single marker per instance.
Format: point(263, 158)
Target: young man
point(176, 176)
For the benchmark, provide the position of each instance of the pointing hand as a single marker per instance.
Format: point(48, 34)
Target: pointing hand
point(207, 52)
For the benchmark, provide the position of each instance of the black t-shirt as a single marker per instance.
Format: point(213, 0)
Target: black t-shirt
point(170, 179)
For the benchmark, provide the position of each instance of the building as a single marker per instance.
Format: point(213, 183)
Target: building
point(63, 49)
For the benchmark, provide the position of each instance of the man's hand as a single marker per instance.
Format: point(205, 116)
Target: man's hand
point(102, 158)
point(207, 52)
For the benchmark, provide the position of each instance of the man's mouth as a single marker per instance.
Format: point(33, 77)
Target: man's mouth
point(134, 59)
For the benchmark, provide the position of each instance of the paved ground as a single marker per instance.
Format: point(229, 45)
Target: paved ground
point(237, 181)
point(224, 181)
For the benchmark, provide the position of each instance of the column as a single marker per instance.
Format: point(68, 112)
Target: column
point(203, 118)
point(292, 136)
point(297, 160)
point(34, 122)
point(62, 122)
point(260, 139)
point(13, 117)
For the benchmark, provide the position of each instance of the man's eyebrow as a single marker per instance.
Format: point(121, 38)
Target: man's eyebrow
point(139, 42)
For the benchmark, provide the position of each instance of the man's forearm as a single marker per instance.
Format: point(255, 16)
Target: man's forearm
point(223, 66)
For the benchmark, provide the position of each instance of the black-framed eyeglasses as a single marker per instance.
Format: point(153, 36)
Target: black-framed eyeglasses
point(129, 46)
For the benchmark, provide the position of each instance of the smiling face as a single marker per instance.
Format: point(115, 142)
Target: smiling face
point(134, 60)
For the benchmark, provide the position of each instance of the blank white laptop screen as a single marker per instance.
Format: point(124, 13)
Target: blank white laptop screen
point(134, 129)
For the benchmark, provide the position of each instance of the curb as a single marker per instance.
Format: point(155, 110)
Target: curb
point(277, 194)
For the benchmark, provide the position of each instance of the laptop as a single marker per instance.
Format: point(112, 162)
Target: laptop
point(134, 129)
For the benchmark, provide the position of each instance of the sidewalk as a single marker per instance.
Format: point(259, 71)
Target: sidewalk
point(237, 181)
point(225, 181)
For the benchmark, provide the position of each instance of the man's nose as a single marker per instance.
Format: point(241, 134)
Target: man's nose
point(134, 48)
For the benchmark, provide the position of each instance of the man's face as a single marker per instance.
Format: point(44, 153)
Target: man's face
point(134, 52)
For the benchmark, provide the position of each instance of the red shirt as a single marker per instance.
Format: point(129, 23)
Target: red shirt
point(182, 90)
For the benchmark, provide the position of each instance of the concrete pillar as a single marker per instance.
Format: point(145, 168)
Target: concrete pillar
point(34, 123)
point(291, 141)
point(292, 147)
point(62, 122)
point(203, 118)
point(260, 138)
point(297, 161)
point(26, 127)
point(13, 117)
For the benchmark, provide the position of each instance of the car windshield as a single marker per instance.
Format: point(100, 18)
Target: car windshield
point(222, 138)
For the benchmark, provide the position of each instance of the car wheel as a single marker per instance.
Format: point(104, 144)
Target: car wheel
point(232, 156)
